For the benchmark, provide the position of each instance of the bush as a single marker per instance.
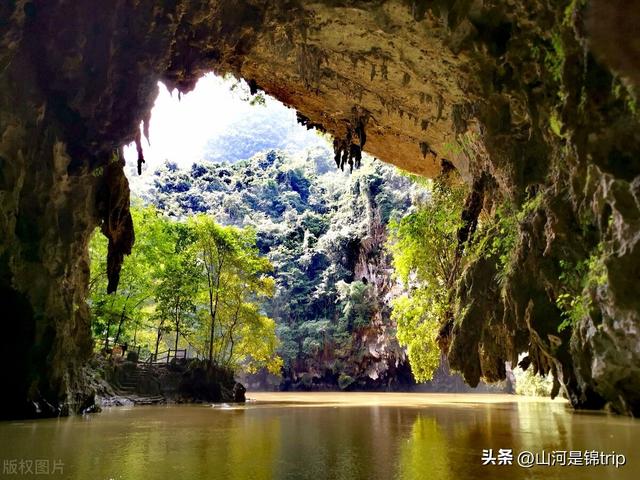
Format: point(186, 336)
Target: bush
point(532, 385)
point(345, 381)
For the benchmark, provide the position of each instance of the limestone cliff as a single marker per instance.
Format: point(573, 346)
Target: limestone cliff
point(508, 92)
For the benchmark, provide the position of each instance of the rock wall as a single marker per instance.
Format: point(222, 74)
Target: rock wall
point(519, 95)
point(561, 141)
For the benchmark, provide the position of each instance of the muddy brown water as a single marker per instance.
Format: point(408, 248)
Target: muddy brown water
point(325, 436)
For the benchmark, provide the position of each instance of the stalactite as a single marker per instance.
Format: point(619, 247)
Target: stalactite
point(140, 153)
point(117, 224)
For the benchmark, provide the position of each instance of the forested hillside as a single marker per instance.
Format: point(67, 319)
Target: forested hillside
point(324, 232)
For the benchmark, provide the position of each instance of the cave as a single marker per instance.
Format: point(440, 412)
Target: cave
point(525, 100)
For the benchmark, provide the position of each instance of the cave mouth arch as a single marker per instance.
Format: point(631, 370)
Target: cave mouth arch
point(173, 116)
point(79, 77)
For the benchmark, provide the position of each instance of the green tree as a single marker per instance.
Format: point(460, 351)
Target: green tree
point(423, 245)
point(116, 313)
point(234, 278)
point(177, 290)
point(203, 281)
point(358, 304)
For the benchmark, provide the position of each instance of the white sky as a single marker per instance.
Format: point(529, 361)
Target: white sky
point(180, 129)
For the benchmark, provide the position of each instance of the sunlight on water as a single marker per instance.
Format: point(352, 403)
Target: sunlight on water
point(318, 436)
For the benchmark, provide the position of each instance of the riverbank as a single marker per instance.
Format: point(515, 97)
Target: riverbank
point(394, 399)
point(119, 382)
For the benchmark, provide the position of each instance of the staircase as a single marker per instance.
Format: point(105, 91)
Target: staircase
point(128, 387)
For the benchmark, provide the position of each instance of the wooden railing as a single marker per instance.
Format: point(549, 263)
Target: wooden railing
point(166, 356)
point(152, 358)
point(122, 349)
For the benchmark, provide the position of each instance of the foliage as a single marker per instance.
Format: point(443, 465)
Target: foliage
point(424, 242)
point(555, 124)
point(177, 289)
point(114, 316)
point(357, 303)
point(170, 281)
point(423, 245)
point(418, 319)
point(621, 91)
point(234, 277)
point(532, 385)
point(555, 57)
point(578, 279)
point(345, 381)
point(310, 221)
point(497, 237)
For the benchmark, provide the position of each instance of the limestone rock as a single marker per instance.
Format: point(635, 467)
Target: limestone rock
point(506, 90)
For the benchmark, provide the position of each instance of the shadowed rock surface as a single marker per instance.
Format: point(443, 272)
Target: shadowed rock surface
point(505, 91)
point(119, 382)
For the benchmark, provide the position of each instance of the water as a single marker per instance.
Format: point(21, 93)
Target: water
point(320, 436)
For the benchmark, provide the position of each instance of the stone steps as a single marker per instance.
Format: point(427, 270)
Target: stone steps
point(128, 386)
point(147, 400)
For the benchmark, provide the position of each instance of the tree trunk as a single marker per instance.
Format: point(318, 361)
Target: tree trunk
point(122, 317)
point(135, 333)
point(177, 330)
point(106, 335)
point(158, 337)
point(231, 330)
point(213, 311)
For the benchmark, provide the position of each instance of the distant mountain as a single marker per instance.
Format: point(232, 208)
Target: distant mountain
point(265, 129)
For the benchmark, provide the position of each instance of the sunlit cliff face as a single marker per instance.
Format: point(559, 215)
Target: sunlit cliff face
point(509, 95)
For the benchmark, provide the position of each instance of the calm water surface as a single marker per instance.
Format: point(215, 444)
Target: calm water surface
point(322, 436)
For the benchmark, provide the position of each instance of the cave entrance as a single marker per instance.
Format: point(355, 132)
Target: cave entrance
point(255, 252)
point(232, 182)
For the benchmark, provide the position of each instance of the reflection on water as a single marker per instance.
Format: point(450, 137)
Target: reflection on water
point(425, 451)
point(347, 441)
